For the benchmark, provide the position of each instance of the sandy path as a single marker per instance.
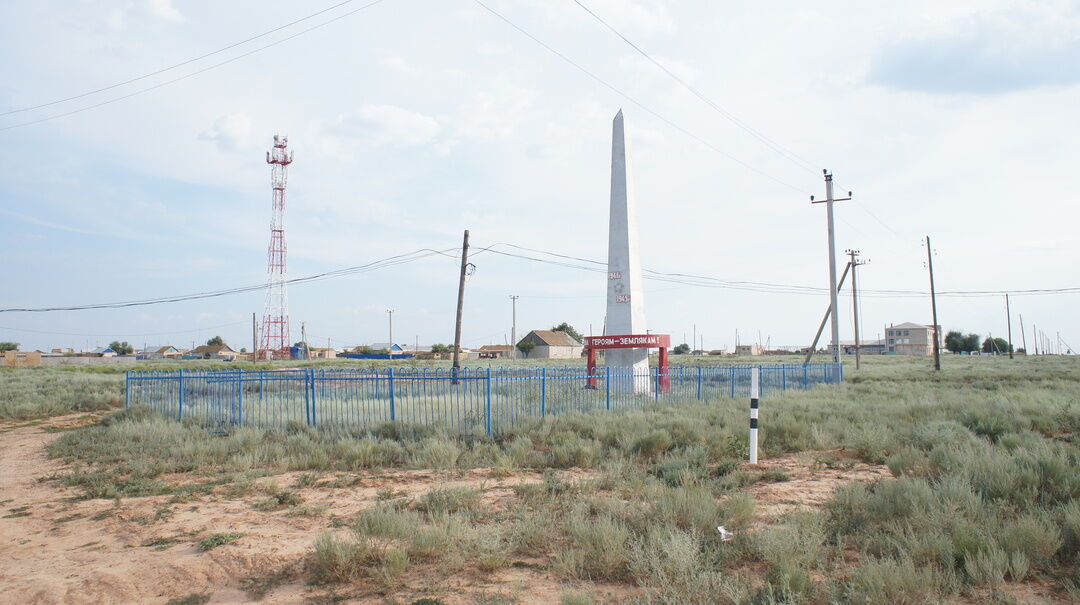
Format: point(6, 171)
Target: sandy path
point(58, 550)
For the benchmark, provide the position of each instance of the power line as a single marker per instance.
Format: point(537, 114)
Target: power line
point(119, 334)
point(566, 261)
point(192, 74)
point(626, 96)
point(181, 64)
point(372, 266)
point(575, 262)
point(768, 142)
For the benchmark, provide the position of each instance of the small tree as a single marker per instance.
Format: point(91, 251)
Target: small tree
point(440, 348)
point(971, 343)
point(9, 346)
point(569, 329)
point(526, 346)
point(682, 349)
point(954, 341)
point(995, 345)
point(216, 341)
point(121, 348)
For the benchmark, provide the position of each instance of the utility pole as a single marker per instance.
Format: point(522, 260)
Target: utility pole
point(1023, 335)
point(460, 305)
point(390, 349)
point(254, 340)
point(933, 305)
point(513, 326)
point(853, 263)
point(1035, 338)
point(695, 340)
point(303, 336)
point(1008, 315)
point(828, 312)
point(834, 309)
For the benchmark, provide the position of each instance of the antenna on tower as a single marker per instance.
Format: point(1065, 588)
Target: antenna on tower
point(274, 341)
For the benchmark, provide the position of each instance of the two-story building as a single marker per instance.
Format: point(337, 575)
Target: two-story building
point(911, 339)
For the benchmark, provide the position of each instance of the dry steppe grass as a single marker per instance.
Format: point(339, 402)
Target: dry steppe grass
point(901, 486)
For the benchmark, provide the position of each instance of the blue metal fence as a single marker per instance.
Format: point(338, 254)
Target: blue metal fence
point(474, 400)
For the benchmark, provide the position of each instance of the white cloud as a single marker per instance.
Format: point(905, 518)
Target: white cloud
point(387, 125)
point(164, 9)
point(495, 113)
point(396, 63)
point(231, 132)
point(116, 20)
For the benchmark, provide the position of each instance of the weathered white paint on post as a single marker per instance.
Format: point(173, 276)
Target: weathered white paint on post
point(755, 395)
point(625, 292)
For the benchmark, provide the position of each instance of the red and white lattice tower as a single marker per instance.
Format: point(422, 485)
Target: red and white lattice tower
point(274, 338)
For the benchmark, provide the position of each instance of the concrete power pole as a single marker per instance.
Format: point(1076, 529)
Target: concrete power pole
point(513, 326)
point(825, 319)
point(933, 304)
point(834, 310)
point(460, 306)
point(854, 263)
point(1008, 317)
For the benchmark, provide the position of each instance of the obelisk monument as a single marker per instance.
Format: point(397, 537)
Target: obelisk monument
point(625, 290)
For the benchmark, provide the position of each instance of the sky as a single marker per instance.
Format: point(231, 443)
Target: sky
point(412, 120)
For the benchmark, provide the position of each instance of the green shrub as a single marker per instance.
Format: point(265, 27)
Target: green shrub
point(598, 548)
point(449, 500)
point(219, 540)
point(897, 582)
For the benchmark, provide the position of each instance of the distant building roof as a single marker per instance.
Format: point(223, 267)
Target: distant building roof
point(910, 326)
point(385, 345)
point(554, 338)
point(496, 348)
point(212, 349)
point(101, 350)
point(160, 349)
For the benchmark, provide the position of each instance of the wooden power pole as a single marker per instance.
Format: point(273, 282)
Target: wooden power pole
point(853, 264)
point(460, 305)
point(933, 305)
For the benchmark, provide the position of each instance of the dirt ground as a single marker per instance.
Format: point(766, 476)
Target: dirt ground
point(57, 549)
point(60, 550)
point(813, 479)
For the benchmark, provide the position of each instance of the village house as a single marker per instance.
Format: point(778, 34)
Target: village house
point(224, 352)
point(550, 344)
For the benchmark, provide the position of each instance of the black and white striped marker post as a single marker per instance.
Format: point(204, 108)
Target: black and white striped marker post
point(755, 394)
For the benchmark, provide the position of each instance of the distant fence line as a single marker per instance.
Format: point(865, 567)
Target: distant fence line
point(474, 400)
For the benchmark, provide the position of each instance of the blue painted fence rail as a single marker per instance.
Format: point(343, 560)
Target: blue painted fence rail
point(475, 400)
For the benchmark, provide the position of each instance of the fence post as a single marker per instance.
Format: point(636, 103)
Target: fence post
point(314, 399)
point(783, 375)
point(657, 386)
point(180, 406)
point(543, 391)
point(607, 387)
point(239, 415)
point(127, 389)
point(733, 382)
point(488, 402)
point(840, 377)
point(755, 394)
point(393, 403)
point(700, 372)
point(805, 377)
